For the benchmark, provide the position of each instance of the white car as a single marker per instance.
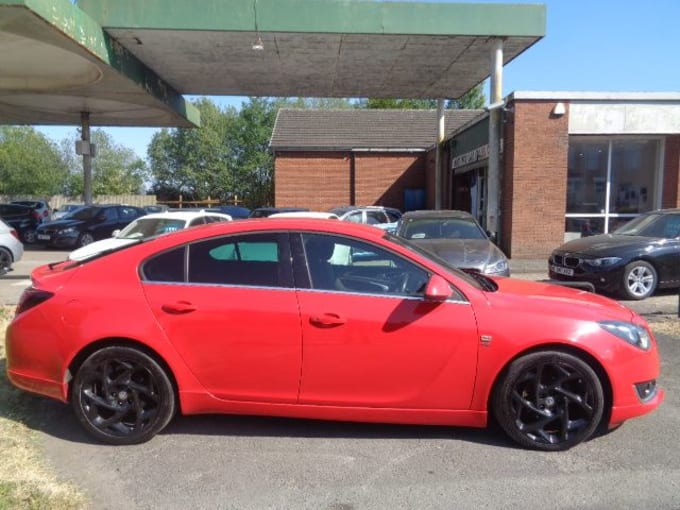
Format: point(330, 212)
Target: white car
point(148, 226)
point(11, 249)
point(305, 214)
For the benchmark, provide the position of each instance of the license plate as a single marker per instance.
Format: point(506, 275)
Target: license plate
point(43, 237)
point(562, 270)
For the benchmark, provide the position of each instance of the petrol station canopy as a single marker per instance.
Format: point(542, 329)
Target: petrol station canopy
point(130, 62)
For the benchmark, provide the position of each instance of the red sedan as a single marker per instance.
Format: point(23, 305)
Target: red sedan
point(325, 320)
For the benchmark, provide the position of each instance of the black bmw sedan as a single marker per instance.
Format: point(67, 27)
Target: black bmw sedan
point(631, 262)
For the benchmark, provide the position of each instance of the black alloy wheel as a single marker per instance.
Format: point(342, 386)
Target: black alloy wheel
point(28, 236)
point(549, 401)
point(122, 396)
point(5, 261)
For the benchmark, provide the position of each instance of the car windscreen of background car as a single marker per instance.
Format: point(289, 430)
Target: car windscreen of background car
point(652, 225)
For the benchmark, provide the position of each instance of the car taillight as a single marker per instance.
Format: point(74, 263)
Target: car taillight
point(32, 297)
point(36, 215)
point(15, 234)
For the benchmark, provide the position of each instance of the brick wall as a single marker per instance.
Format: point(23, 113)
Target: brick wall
point(318, 181)
point(382, 178)
point(535, 180)
point(671, 171)
point(323, 180)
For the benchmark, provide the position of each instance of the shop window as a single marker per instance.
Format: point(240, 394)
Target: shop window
point(609, 182)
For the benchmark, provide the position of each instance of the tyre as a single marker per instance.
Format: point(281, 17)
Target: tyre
point(85, 239)
point(639, 280)
point(549, 401)
point(122, 396)
point(5, 261)
point(28, 236)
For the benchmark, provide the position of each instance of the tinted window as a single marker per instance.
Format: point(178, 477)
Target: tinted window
point(129, 213)
point(252, 260)
point(338, 263)
point(111, 213)
point(354, 217)
point(373, 217)
point(166, 267)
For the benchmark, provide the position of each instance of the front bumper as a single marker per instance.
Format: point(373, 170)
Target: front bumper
point(603, 280)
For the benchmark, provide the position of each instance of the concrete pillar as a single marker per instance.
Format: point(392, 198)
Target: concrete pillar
point(441, 131)
point(87, 157)
point(495, 123)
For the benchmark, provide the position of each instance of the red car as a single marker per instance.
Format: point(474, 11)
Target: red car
point(326, 320)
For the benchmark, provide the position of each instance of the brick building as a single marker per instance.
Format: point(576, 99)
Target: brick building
point(572, 163)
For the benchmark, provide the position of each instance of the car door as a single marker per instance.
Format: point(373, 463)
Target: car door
point(233, 317)
point(374, 341)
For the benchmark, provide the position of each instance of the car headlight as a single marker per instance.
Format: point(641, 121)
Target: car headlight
point(69, 230)
point(603, 262)
point(631, 333)
point(497, 267)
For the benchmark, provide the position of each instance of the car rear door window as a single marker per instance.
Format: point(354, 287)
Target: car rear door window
point(260, 260)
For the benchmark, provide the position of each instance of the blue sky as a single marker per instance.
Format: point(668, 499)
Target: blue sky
point(590, 45)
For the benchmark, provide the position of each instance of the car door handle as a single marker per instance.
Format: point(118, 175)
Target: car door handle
point(179, 307)
point(327, 320)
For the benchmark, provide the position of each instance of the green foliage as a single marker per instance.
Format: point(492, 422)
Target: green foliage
point(115, 169)
point(227, 157)
point(29, 163)
point(473, 99)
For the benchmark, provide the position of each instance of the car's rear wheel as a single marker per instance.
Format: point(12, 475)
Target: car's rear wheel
point(639, 280)
point(28, 236)
point(5, 261)
point(85, 239)
point(121, 395)
point(549, 400)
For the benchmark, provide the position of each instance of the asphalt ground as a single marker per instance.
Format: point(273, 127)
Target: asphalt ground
point(241, 462)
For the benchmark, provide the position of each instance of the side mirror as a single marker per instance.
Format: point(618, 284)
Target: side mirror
point(437, 289)
point(101, 217)
point(115, 233)
point(492, 236)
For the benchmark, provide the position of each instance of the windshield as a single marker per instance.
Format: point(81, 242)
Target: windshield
point(442, 228)
point(477, 280)
point(652, 225)
point(144, 228)
point(83, 213)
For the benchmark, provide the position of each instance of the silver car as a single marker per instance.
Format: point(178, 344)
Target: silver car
point(456, 237)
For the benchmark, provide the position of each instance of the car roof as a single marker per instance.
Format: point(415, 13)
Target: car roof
point(183, 215)
point(435, 214)
point(305, 214)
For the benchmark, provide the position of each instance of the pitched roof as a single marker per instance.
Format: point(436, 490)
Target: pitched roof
point(300, 129)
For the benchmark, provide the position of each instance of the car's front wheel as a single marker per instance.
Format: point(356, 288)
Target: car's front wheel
point(121, 395)
point(639, 280)
point(549, 400)
point(85, 239)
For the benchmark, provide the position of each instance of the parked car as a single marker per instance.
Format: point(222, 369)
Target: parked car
point(86, 224)
point(370, 215)
point(23, 218)
point(263, 212)
point(11, 249)
point(146, 227)
point(455, 236)
point(62, 211)
point(632, 262)
point(42, 207)
point(156, 208)
point(319, 215)
point(215, 319)
point(235, 211)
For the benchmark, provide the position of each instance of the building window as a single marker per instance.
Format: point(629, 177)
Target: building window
point(609, 182)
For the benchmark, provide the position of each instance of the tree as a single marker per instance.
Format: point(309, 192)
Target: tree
point(115, 169)
point(472, 99)
point(30, 164)
point(227, 157)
